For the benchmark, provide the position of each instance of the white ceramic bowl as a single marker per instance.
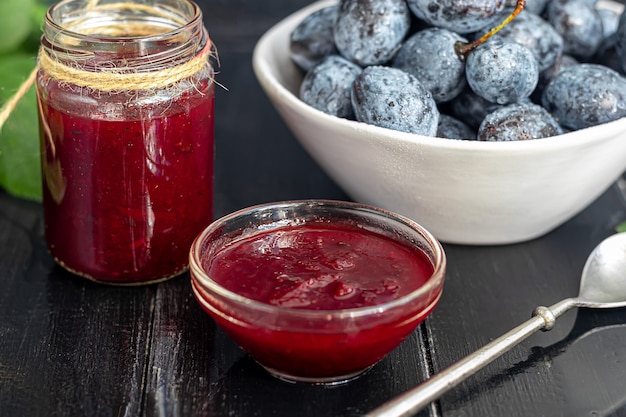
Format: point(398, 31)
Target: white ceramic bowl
point(465, 192)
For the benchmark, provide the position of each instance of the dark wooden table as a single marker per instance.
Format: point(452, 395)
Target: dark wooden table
point(69, 347)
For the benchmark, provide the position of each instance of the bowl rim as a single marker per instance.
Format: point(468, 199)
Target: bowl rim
point(433, 284)
point(270, 83)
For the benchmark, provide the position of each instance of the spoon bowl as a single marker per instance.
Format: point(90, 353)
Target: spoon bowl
point(603, 285)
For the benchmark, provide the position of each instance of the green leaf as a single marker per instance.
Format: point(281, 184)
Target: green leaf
point(19, 138)
point(16, 23)
point(621, 227)
point(21, 23)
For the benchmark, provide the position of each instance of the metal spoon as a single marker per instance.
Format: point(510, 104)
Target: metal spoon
point(603, 285)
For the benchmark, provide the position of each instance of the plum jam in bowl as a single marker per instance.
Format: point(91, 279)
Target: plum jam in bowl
point(317, 291)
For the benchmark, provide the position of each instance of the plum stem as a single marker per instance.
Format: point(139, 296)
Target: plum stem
point(463, 49)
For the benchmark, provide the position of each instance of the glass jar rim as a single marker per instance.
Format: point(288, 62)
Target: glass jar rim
point(174, 33)
point(193, 17)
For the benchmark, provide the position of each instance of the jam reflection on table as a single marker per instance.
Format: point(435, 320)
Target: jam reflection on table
point(126, 187)
point(322, 268)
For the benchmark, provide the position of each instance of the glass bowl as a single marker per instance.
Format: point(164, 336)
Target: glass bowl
point(318, 317)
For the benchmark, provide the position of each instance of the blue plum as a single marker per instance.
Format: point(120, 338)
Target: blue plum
point(369, 32)
point(312, 40)
point(606, 53)
point(586, 95)
point(547, 75)
point(391, 98)
point(518, 121)
point(536, 34)
point(450, 127)
point(460, 16)
point(431, 57)
point(398, 63)
point(620, 42)
point(610, 21)
point(502, 72)
point(328, 85)
point(579, 24)
point(472, 108)
point(532, 6)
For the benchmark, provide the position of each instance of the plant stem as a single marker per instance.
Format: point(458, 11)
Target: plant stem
point(463, 49)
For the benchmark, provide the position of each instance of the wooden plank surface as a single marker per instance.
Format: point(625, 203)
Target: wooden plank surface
point(490, 290)
point(67, 346)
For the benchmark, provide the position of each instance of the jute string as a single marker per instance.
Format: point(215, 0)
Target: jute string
point(110, 79)
point(11, 104)
point(119, 79)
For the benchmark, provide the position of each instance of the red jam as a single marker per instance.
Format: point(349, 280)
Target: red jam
point(124, 197)
point(321, 267)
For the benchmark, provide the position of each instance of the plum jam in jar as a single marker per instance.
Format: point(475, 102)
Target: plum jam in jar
point(126, 94)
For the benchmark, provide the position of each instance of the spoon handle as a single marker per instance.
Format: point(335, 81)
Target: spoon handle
point(420, 396)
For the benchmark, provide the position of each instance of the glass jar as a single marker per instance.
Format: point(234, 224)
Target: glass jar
point(126, 94)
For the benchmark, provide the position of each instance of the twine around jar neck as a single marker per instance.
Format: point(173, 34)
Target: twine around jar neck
point(111, 79)
point(118, 79)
